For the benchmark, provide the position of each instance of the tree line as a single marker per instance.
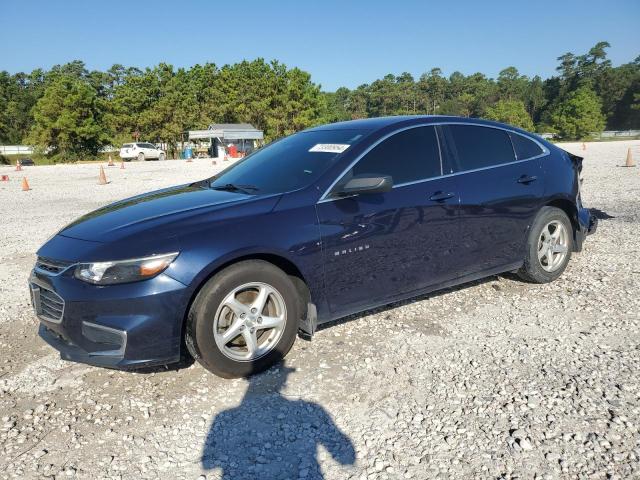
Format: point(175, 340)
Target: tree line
point(71, 112)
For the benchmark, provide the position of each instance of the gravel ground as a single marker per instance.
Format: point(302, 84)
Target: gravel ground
point(493, 379)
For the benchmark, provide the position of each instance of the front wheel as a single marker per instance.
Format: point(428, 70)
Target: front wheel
point(141, 157)
point(549, 246)
point(161, 157)
point(244, 319)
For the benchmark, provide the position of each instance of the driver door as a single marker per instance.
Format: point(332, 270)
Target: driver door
point(381, 246)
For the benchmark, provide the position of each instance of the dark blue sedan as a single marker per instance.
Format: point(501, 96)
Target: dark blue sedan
point(328, 222)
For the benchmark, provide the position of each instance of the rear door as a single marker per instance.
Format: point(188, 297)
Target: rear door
point(380, 246)
point(500, 193)
point(140, 149)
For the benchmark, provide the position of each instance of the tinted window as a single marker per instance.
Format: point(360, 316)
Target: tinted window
point(406, 156)
point(290, 163)
point(478, 147)
point(127, 145)
point(524, 147)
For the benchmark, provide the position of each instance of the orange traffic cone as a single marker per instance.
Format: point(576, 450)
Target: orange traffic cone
point(102, 178)
point(584, 146)
point(4, 178)
point(18, 166)
point(121, 164)
point(110, 164)
point(25, 184)
point(629, 162)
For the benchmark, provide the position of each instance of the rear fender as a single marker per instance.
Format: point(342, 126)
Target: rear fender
point(576, 161)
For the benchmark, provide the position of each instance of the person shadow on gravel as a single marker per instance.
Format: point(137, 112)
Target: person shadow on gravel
point(269, 436)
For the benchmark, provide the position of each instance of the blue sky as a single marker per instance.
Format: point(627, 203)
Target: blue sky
point(341, 43)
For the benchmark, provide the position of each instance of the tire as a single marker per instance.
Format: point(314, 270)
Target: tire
point(546, 258)
point(141, 157)
point(161, 157)
point(242, 282)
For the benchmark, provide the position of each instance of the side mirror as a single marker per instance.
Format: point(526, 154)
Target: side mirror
point(366, 184)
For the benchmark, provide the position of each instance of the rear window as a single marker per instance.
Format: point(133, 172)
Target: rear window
point(473, 147)
point(127, 145)
point(524, 147)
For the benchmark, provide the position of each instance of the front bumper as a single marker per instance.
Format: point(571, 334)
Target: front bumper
point(118, 326)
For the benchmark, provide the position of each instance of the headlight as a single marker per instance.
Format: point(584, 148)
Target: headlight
point(124, 271)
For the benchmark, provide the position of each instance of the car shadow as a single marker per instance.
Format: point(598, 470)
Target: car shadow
point(271, 436)
point(600, 214)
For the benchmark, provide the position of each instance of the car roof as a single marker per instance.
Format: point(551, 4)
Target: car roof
point(377, 123)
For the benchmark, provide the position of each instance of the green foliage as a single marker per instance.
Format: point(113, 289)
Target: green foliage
point(38, 158)
point(18, 95)
point(579, 115)
point(72, 112)
point(161, 103)
point(512, 112)
point(67, 119)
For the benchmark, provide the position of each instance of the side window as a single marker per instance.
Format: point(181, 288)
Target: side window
point(524, 147)
point(474, 147)
point(407, 156)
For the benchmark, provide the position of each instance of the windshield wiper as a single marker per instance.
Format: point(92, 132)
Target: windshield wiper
point(231, 187)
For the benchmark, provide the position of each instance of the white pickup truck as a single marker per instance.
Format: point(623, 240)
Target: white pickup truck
point(141, 151)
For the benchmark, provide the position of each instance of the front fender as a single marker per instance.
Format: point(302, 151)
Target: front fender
point(291, 235)
point(217, 261)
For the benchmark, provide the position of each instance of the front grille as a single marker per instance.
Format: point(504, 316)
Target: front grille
point(47, 303)
point(52, 266)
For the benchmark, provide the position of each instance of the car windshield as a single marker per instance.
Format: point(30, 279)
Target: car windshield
point(288, 164)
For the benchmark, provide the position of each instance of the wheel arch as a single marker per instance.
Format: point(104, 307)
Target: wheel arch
point(283, 263)
point(568, 207)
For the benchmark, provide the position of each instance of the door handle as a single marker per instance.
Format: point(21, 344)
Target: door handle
point(441, 196)
point(527, 179)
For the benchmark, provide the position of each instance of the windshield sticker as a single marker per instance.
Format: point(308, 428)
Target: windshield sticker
point(329, 147)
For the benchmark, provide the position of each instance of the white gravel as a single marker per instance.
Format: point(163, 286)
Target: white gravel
point(494, 379)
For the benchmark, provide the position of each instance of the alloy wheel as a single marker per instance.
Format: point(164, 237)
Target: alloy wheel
point(250, 321)
point(553, 246)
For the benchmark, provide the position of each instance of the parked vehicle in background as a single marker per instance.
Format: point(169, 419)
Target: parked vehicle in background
point(316, 226)
point(141, 151)
point(27, 162)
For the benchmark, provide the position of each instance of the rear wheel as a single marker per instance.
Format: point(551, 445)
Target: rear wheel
point(244, 319)
point(161, 157)
point(549, 246)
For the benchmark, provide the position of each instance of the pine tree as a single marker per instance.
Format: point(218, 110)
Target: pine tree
point(512, 112)
point(67, 119)
point(579, 115)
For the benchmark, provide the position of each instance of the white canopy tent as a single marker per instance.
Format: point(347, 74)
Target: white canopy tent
point(242, 135)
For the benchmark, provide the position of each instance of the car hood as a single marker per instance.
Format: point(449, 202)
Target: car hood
point(160, 211)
